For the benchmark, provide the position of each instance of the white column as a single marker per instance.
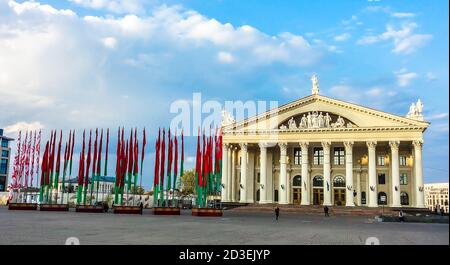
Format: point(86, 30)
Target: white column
point(225, 187)
point(233, 173)
point(373, 198)
point(326, 174)
point(349, 174)
point(305, 177)
point(395, 174)
point(358, 187)
point(230, 168)
point(419, 188)
point(263, 173)
point(282, 194)
point(243, 183)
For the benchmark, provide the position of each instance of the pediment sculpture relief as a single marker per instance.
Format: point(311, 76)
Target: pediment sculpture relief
point(314, 120)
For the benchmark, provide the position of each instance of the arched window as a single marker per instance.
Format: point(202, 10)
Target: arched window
point(404, 198)
point(382, 198)
point(318, 181)
point(297, 181)
point(339, 182)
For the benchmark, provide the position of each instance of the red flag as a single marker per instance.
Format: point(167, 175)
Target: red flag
point(106, 152)
point(44, 165)
point(99, 155)
point(81, 166)
point(94, 163)
point(175, 164)
point(157, 147)
point(118, 158)
point(88, 160)
point(163, 156)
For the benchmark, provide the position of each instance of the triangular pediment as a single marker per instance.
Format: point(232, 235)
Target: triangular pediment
point(333, 114)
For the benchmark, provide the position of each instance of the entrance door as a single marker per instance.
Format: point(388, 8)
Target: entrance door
point(339, 197)
point(297, 195)
point(318, 196)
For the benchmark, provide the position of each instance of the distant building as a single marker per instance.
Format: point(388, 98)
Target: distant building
point(105, 184)
point(5, 156)
point(436, 194)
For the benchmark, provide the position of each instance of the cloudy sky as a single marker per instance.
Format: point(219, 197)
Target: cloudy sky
point(99, 63)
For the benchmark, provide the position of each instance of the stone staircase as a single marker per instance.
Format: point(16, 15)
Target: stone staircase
point(318, 210)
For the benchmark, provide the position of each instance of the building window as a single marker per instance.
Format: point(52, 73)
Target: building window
point(2, 183)
point(381, 178)
point(381, 160)
point(297, 156)
point(259, 177)
point(403, 179)
point(297, 181)
point(404, 198)
point(5, 153)
point(318, 156)
point(5, 143)
point(275, 195)
point(339, 182)
point(402, 160)
point(3, 166)
point(382, 198)
point(318, 181)
point(339, 155)
point(363, 197)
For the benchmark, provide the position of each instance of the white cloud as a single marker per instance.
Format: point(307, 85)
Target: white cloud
point(404, 77)
point(403, 15)
point(438, 116)
point(115, 6)
point(431, 76)
point(24, 126)
point(404, 39)
point(374, 92)
point(110, 42)
point(342, 37)
point(225, 57)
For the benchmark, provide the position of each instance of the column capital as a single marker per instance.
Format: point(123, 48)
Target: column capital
point(417, 143)
point(283, 147)
point(226, 146)
point(263, 145)
point(371, 144)
point(394, 144)
point(348, 144)
point(243, 146)
point(304, 144)
point(326, 144)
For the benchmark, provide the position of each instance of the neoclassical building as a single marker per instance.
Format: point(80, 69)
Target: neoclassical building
point(322, 151)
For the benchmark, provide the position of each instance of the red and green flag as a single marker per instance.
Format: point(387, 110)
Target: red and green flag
point(156, 170)
point(44, 166)
point(81, 170)
point(161, 171)
point(88, 164)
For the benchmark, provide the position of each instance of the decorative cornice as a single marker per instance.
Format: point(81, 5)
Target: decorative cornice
point(292, 131)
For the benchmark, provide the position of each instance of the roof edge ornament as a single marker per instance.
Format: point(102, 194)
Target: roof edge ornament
point(315, 85)
point(415, 111)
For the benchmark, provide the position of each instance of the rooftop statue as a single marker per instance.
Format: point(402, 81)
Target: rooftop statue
point(227, 118)
point(315, 84)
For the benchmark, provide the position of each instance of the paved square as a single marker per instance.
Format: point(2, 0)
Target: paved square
point(34, 227)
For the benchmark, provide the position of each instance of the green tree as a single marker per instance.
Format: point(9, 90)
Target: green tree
point(188, 182)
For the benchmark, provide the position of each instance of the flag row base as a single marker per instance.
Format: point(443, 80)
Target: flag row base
point(23, 206)
point(207, 212)
point(166, 211)
point(54, 207)
point(89, 209)
point(127, 210)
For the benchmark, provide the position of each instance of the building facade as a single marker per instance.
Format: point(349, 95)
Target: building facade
point(322, 151)
point(436, 194)
point(5, 158)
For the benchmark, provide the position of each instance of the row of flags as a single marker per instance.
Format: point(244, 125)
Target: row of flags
point(26, 160)
point(167, 171)
point(161, 195)
point(208, 167)
point(51, 164)
point(127, 161)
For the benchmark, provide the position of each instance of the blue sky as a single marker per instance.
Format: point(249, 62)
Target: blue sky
point(86, 64)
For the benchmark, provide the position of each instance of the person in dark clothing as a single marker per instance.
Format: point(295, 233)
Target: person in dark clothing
point(401, 216)
point(326, 209)
point(141, 206)
point(277, 213)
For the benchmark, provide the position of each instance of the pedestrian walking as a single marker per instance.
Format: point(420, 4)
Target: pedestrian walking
point(326, 209)
point(401, 216)
point(277, 213)
point(141, 206)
